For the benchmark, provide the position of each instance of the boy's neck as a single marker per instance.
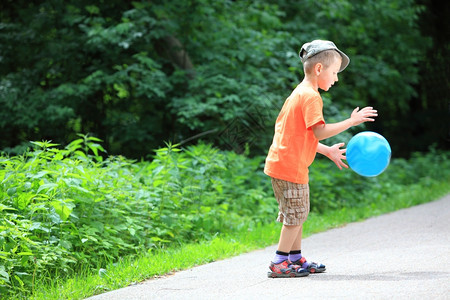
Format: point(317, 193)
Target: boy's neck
point(311, 82)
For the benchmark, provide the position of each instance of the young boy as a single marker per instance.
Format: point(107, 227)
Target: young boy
point(298, 129)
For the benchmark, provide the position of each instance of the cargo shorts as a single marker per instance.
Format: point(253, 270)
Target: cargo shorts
point(293, 201)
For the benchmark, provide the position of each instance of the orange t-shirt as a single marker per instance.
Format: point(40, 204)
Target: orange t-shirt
point(294, 144)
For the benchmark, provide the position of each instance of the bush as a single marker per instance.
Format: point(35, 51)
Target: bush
point(65, 210)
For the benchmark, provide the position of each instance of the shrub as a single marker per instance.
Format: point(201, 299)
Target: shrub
point(68, 209)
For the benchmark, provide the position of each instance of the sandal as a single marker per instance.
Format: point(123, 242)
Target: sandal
point(313, 267)
point(286, 269)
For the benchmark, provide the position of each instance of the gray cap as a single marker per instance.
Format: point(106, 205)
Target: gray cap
point(310, 49)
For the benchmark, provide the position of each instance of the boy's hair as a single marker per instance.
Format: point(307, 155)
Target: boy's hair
point(326, 58)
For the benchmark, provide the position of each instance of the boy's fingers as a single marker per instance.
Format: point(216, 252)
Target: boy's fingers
point(371, 114)
point(340, 145)
point(341, 164)
point(368, 109)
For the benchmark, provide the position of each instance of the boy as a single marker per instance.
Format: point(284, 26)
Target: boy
point(298, 129)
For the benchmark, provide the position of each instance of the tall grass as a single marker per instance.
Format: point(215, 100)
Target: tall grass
point(131, 270)
point(75, 211)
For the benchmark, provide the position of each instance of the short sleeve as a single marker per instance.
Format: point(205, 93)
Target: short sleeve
point(312, 112)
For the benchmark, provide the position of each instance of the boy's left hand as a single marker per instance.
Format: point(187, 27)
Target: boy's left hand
point(337, 155)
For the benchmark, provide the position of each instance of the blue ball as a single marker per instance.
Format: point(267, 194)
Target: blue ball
point(368, 153)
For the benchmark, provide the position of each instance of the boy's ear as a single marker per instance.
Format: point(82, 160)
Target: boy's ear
point(318, 68)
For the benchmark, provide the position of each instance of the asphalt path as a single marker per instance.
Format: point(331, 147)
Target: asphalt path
point(401, 255)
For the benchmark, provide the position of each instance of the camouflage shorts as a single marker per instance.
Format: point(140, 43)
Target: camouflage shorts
point(293, 201)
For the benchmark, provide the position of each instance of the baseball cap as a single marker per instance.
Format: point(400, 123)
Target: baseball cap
point(312, 48)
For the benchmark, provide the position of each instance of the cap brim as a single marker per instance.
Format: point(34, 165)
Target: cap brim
point(345, 60)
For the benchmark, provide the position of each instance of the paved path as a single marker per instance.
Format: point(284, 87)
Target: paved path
point(401, 255)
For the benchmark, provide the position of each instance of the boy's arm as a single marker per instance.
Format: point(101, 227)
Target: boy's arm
point(334, 153)
point(324, 131)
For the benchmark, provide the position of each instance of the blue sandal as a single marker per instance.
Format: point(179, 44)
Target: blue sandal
point(313, 266)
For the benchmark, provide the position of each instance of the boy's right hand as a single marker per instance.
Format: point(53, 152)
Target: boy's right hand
point(363, 115)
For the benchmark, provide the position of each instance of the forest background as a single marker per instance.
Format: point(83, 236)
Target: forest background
point(138, 73)
point(132, 128)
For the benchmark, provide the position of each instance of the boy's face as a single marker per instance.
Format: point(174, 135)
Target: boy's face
point(328, 76)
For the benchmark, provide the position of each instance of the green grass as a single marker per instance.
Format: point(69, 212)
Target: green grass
point(165, 261)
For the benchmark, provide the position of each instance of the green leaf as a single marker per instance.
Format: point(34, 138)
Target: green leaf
point(19, 280)
point(66, 244)
point(4, 207)
point(11, 191)
point(3, 274)
point(63, 208)
point(92, 9)
point(47, 186)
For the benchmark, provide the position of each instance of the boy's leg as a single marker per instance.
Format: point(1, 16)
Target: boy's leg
point(295, 256)
point(296, 251)
point(293, 205)
point(292, 212)
point(288, 237)
point(293, 200)
point(280, 265)
point(297, 245)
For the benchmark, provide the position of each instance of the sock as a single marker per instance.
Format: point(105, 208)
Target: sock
point(295, 255)
point(280, 257)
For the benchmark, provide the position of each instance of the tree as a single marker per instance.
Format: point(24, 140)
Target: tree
point(138, 73)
